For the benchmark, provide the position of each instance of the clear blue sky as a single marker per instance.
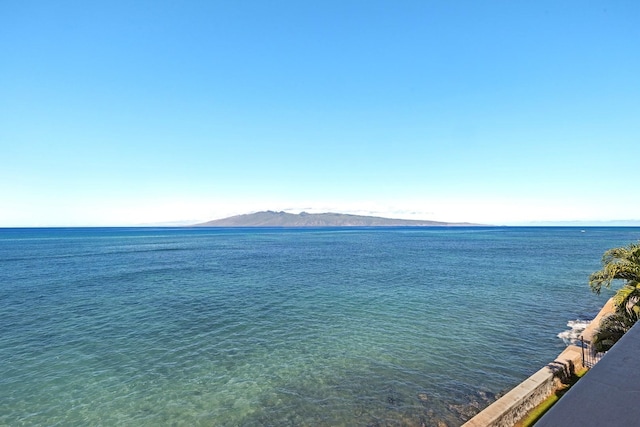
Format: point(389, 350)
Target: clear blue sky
point(130, 112)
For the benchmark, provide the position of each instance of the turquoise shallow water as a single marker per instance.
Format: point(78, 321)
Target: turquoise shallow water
point(273, 327)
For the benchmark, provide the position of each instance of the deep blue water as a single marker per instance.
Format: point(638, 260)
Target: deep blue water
point(277, 327)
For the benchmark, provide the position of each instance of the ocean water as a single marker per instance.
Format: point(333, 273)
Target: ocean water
point(283, 327)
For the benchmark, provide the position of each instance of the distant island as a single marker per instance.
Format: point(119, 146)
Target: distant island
point(330, 219)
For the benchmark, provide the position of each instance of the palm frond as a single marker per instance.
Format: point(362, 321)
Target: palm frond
point(626, 297)
point(617, 264)
point(610, 330)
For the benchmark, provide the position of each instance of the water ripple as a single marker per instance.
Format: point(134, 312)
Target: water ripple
point(301, 328)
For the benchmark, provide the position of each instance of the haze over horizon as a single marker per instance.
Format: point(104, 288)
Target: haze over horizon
point(496, 112)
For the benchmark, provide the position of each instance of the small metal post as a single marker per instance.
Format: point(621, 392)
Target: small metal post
point(582, 348)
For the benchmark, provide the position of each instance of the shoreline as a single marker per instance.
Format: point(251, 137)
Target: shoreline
point(512, 407)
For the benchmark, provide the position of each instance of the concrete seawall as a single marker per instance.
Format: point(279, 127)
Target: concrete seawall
point(513, 406)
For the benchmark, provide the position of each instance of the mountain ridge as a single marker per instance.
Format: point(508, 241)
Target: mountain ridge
point(328, 219)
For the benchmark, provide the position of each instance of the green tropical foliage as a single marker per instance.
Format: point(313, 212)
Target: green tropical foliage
point(610, 330)
point(618, 264)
